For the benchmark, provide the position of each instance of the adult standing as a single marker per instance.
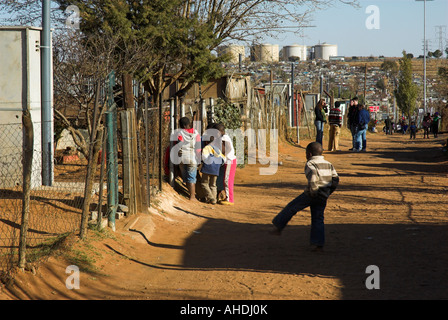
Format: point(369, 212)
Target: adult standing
point(426, 124)
point(435, 124)
point(388, 125)
point(320, 120)
point(335, 121)
point(363, 122)
point(352, 121)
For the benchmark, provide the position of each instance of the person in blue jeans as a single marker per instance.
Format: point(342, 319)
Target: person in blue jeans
point(320, 120)
point(363, 123)
point(322, 182)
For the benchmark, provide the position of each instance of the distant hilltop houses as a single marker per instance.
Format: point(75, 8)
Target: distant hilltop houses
point(272, 53)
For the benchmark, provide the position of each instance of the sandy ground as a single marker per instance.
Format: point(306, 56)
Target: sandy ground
point(390, 210)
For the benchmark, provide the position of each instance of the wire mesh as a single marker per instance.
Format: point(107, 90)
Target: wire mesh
point(53, 209)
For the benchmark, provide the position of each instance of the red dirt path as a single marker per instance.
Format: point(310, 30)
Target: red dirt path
point(391, 210)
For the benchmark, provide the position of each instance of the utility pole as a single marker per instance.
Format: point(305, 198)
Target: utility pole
point(46, 109)
point(424, 52)
point(365, 85)
point(291, 100)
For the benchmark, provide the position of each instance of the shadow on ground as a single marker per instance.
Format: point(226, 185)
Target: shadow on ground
point(412, 259)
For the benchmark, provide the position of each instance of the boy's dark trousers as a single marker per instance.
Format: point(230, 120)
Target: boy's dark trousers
point(317, 206)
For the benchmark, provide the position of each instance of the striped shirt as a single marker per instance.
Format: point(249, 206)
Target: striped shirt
point(322, 177)
point(335, 116)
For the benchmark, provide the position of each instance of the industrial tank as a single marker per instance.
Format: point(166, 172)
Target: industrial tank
point(234, 50)
point(324, 51)
point(265, 52)
point(295, 50)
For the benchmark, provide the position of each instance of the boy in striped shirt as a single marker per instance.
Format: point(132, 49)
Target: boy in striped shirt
point(322, 181)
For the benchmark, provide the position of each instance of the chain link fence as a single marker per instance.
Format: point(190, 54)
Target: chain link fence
point(53, 210)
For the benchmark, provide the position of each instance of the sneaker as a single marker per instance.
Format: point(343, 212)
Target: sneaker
point(227, 203)
point(317, 249)
point(275, 231)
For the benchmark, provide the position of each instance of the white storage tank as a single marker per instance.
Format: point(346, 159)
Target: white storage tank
point(234, 50)
point(265, 52)
point(295, 50)
point(324, 51)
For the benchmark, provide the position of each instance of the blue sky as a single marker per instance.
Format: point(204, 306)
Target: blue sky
point(400, 28)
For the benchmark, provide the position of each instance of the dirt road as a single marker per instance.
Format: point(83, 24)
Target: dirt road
point(390, 211)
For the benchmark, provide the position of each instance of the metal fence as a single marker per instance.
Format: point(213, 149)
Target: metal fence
point(53, 210)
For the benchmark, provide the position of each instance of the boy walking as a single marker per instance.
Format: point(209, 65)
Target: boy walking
point(322, 182)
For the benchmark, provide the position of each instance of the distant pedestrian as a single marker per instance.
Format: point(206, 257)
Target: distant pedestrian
point(322, 182)
point(320, 120)
point(388, 125)
point(412, 130)
point(335, 121)
point(435, 124)
point(363, 122)
point(352, 121)
point(426, 124)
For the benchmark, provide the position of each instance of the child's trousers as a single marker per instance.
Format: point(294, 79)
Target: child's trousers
point(208, 183)
point(317, 206)
point(226, 179)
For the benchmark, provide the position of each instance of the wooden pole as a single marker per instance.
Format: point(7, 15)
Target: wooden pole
point(28, 142)
point(160, 142)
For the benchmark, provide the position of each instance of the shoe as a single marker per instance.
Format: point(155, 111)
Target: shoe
point(227, 203)
point(317, 249)
point(351, 149)
point(275, 231)
point(355, 150)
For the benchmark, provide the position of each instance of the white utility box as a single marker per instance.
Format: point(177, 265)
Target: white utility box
point(20, 89)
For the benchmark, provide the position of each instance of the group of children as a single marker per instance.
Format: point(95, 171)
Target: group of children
point(211, 160)
point(207, 164)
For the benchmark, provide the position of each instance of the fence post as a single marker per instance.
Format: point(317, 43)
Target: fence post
point(28, 143)
point(148, 181)
point(160, 141)
point(172, 126)
point(112, 172)
point(101, 186)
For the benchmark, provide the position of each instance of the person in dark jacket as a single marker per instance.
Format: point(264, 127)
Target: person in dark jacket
point(363, 122)
point(352, 119)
